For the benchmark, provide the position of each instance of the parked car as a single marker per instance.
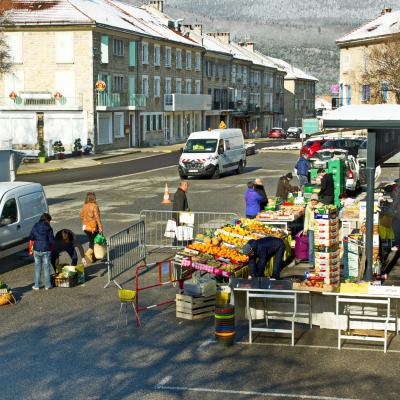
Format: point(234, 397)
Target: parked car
point(277, 133)
point(294, 132)
point(362, 156)
point(21, 205)
point(351, 145)
point(311, 146)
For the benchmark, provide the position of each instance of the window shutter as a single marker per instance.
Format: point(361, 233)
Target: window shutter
point(132, 54)
point(132, 85)
point(104, 49)
point(64, 47)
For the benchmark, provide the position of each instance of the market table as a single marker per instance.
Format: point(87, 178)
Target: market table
point(266, 289)
point(364, 299)
point(291, 225)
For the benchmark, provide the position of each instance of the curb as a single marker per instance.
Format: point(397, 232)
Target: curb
point(115, 155)
point(38, 171)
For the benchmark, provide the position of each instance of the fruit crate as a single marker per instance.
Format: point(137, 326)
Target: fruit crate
point(59, 281)
point(193, 308)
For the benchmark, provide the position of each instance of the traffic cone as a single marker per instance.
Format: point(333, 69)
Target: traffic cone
point(166, 195)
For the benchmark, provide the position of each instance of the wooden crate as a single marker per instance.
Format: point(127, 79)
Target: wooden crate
point(194, 308)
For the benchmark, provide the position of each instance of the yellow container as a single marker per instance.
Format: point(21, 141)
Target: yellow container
point(358, 288)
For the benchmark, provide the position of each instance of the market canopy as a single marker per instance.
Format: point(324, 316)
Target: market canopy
point(382, 119)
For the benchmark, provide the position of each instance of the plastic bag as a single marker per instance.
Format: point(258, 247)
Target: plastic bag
point(100, 251)
point(100, 239)
point(170, 229)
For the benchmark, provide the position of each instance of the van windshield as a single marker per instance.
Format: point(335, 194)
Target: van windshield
point(201, 146)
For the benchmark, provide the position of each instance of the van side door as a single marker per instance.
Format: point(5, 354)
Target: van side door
point(9, 223)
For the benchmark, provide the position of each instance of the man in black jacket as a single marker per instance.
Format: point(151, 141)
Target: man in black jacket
point(327, 187)
point(180, 203)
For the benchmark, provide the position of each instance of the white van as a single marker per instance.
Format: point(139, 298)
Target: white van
point(21, 205)
point(211, 153)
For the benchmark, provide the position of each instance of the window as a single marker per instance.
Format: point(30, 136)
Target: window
point(224, 71)
point(197, 87)
point(233, 73)
point(132, 85)
point(104, 49)
point(145, 85)
point(385, 91)
point(208, 69)
point(118, 47)
point(118, 84)
point(365, 92)
point(168, 56)
point(188, 59)
point(14, 42)
point(132, 54)
point(119, 124)
point(157, 90)
point(346, 62)
point(156, 55)
point(168, 86)
point(145, 53)
point(179, 85)
point(239, 71)
point(245, 75)
point(178, 59)
point(154, 121)
point(64, 47)
point(188, 86)
point(9, 215)
point(197, 62)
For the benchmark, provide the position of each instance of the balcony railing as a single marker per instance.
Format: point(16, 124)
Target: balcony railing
point(254, 108)
point(105, 99)
point(41, 101)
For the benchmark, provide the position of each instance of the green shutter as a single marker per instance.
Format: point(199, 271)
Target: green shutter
point(104, 49)
point(132, 85)
point(132, 54)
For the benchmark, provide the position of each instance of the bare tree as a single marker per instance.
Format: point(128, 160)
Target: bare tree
point(5, 58)
point(382, 71)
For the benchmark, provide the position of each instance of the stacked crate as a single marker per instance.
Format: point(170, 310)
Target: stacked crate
point(351, 259)
point(336, 167)
point(327, 255)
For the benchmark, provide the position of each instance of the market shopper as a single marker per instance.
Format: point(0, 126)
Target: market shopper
point(309, 226)
point(302, 167)
point(260, 251)
point(180, 204)
point(90, 217)
point(326, 193)
point(259, 187)
point(253, 200)
point(66, 240)
point(43, 240)
point(284, 186)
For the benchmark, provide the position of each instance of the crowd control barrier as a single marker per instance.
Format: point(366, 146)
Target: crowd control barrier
point(125, 249)
point(156, 224)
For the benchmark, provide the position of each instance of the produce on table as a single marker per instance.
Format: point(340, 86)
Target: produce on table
point(217, 251)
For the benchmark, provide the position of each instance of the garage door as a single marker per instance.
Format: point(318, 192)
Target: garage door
point(20, 128)
point(105, 128)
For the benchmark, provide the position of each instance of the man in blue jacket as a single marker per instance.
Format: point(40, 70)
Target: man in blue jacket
point(43, 240)
point(260, 251)
point(302, 166)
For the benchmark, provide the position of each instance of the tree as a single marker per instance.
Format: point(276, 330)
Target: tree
point(382, 71)
point(5, 59)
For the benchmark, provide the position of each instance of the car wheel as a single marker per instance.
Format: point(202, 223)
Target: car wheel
point(240, 168)
point(216, 174)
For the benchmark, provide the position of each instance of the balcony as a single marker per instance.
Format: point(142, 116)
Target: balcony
point(255, 108)
point(187, 102)
point(121, 100)
point(222, 105)
point(41, 101)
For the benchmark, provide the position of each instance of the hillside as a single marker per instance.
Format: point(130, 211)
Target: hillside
point(301, 32)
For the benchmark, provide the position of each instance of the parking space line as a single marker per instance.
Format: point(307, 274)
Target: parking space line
point(316, 347)
point(245, 392)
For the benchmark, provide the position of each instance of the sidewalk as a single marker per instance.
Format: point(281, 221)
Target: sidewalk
point(98, 159)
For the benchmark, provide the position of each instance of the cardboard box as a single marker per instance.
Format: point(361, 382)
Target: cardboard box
point(326, 256)
point(326, 242)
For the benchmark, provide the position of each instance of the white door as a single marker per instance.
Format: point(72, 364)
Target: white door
point(104, 128)
point(9, 223)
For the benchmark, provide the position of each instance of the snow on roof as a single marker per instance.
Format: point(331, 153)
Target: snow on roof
point(291, 71)
point(383, 25)
point(23, 12)
point(364, 116)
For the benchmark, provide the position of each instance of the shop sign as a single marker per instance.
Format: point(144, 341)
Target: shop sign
point(100, 86)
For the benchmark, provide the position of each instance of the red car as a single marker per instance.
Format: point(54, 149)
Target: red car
point(311, 146)
point(277, 133)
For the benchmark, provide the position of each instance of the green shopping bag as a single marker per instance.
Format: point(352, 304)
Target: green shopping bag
point(100, 239)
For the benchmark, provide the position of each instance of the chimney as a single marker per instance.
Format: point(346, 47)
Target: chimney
point(386, 10)
point(157, 4)
point(198, 28)
point(250, 46)
point(222, 36)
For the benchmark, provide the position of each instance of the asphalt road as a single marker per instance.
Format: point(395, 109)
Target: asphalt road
point(116, 169)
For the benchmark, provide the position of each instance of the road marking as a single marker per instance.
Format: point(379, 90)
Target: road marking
point(133, 159)
point(246, 393)
point(205, 344)
point(315, 347)
point(164, 380)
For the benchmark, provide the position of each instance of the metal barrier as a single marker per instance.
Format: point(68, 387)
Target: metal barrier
point(125, 249)
point(156, 223)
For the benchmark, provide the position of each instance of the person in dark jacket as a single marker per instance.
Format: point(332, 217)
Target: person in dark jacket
point(302, 166)
point(326, 193)
point(260, 251)
point(259, 187)
point(180, 204)
point(252, 200)
point(66, 240)
point(284, 186)
point(43, 240)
